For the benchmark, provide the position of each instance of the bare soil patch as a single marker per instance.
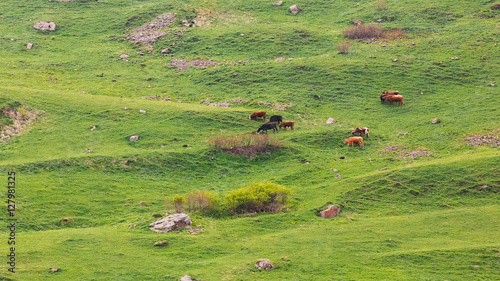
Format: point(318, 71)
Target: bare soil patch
point(22, 118)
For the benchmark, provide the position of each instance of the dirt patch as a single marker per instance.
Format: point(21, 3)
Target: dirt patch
point(184, 65)
point(207, 16)
point(22, 118)
point(491, 139)
point(403, 153)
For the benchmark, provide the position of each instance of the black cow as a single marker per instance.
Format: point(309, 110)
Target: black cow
point(268, 126)
point(276, 118)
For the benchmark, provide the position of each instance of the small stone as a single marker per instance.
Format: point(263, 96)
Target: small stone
point(134, 138)
point(142, 111)
point(454, 58)
point(160, 244)
point(492, 85)
point(29, 46)
point(124, 56)
point(330, 121)
point(185, 23)
point(356, 22)
point(279, 3)
point(294, 9)
point(436, 121)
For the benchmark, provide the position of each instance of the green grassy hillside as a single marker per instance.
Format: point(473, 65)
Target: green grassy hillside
point(418, 202)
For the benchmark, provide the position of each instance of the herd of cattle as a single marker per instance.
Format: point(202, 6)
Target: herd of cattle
point(277, 120)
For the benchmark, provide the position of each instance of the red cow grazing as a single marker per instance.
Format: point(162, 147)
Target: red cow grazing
point(353, 140)
point(285, 124)
point(257, 114)
point(387, 93)
point(361, 131)
point(392, 99)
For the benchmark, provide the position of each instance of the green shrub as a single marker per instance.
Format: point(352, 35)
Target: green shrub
point(178, 202)
point(258, 197)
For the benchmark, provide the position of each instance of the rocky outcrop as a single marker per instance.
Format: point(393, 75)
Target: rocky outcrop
point(147, 34)
point(171, 222)
point(43, 25)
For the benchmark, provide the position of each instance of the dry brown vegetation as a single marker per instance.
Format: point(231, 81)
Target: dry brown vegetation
point(372, 31)
point(247, 144)
point(343, 47)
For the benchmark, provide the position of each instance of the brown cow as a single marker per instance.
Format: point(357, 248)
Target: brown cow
point(353, 140)
point(392, 99)
point(285, 124)
point(361, 131)
point(387, 93)
point(257, 114)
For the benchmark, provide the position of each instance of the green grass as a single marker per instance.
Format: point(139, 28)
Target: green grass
point(433, 217)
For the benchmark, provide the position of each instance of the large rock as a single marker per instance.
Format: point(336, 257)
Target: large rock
point(171, 222)
point(264, 264)
point(43, 25)
point(330, 212)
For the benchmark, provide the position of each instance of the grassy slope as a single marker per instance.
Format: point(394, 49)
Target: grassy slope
point(424, 218)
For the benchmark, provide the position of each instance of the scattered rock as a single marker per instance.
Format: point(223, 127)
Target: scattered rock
point(486, 139)
point(93, 128)
point(220, 104)
point(184, 65)
point(54, 270)
point(356, 22)
point(279, 59)
point(330, 121)
point(160, 244)
point(170, 223)
point(187, 278)
point(338, 176)
point(134, 138)
point(124, 56)
point(279, 3)
point(142, 111)
point(89, 150)
point(454, 58)
point(185, 23)
point(436, 121)
point(164, 51)
point(43, 25)
point(29, 46)
point(335, 170)
point(294, 9)
point(147, 33)
point(132, 226)
point(492, 85)
point(264, 264)
point(330, 212)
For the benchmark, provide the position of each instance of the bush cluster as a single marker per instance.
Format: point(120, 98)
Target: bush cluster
point(258, 197)
point(246, 144)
